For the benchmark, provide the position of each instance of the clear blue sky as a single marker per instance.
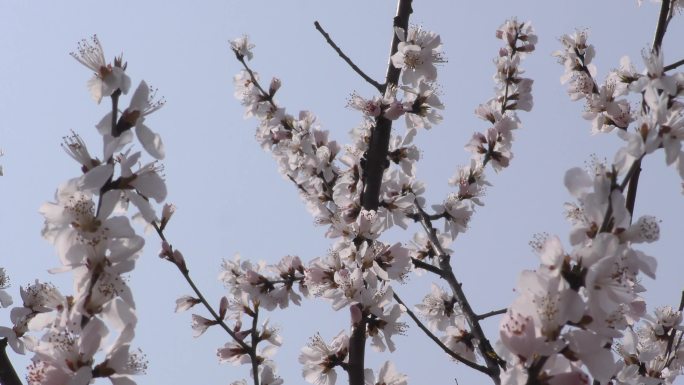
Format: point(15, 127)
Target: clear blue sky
point(229, 195)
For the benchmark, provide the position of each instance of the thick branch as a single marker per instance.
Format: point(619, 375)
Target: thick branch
point(439, 343)
point(357, 352)
point(346, 58)
point(375, 164)
point(376, 156)
point(8, 376)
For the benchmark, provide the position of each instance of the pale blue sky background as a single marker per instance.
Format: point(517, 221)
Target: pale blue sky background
point(229, 195)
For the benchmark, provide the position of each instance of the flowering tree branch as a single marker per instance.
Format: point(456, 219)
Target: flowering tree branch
point(346, 58)
point(492, 361)
point(663, 20)
point(175, 257)
point(436, 340)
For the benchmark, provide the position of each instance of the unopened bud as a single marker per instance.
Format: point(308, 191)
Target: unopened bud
point(167, 213)
point(274, 86)
point(166, 251)
point(526, 48)
point(178, 259)
point(223, 307)
point(186, 302)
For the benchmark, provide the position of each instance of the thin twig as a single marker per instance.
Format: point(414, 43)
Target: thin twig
point(673, 65)
point(661, 27)
point(426, 266)
point(663, 20)
point(346, 58)
point(492, 313)
point(492, 360)
point(439, 343)
point(186, 274)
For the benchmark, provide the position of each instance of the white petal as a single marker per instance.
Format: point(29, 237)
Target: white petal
point(150, 141)
point(576, 181)
point(151, 185)
point(97, 177)
point(140, 96)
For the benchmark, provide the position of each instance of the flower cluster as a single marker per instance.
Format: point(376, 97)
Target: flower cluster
point(659, 123)
point(358, 271)
point(88, 334)
point(580, 305)
point(576, 303)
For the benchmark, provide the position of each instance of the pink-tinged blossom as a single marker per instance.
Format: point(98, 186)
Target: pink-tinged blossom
point(457, 214)
point(605, 111)
point(550, 302)
point(519, 36)
point(67, 357)
point(517, 334)
point(41, 303)
point(399, 194)
point(594, 194)
point(186, 302)
point(417, 53)
point(267, 374)
point(320, 359)
point(387, 375)
point(655, 77)
point(201, 324)
point(76, 148)
point(249, 95)
point(645, 229)
point(5, 298)
point(141, 185)
point(471, 183)
point(384, 326)
point(514, 375)
point(77, 233)
point(403, 152)
point(371, 108)
point(421, 104)
point(242, 47)
point(106, 78)
point(142, 104)
point(121, 363)
point(459, 341)
point(233, 353)
point(576, 55)
point(591, 349)
point(422, 249)
point(672, 131)
point(439, 309)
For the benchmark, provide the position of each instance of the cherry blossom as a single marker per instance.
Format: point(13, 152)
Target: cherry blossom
point(106, 78)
